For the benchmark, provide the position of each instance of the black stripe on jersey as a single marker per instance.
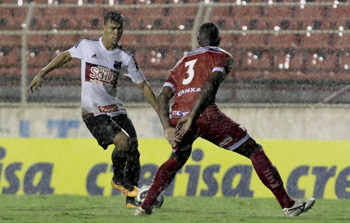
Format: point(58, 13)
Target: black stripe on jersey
point(87, 38)
point(130, 54)
point(123, 49)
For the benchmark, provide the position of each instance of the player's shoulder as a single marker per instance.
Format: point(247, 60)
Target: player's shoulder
point(209, 49)
point(188, 56)
point(125, 51)
point(218, 50)
point(127, 55)
point(179, 62)
point(86, 40)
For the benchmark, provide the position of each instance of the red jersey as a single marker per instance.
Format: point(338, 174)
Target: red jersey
point(192, 72)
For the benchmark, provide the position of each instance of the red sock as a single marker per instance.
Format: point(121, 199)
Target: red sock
point(163, 177)
point(270, 177)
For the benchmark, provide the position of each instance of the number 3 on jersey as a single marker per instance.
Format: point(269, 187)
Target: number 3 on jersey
point(190, 71)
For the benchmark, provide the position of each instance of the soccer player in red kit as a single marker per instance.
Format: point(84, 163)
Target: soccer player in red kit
point(194, 82)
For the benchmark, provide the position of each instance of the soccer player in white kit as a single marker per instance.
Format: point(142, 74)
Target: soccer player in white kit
point(103, 60)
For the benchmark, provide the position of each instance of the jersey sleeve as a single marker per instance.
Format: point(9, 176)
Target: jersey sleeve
point(223, 63)
point(77, 50)
point(134, 72)
point(170, 82)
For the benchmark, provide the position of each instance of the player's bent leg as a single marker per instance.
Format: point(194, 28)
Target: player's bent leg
point(266, 171)
point(119, 158)
point(164, 176)
point(122, 140)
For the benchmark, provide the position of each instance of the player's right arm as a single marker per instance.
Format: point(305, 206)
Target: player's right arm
point(205, 97)
point(59, 61)
point(163, 105)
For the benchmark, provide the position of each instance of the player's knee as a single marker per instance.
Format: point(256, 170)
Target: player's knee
point(118, 155)
point(122, 141)
point(258, 147)
point(181, 157)
point(249, 148)
point(255, 148)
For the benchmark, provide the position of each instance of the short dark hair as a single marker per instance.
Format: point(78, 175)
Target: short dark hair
point(114, 17)
point(210, 32)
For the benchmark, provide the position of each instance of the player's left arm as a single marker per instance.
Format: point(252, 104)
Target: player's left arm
point(134, 72)
point(149, 94)
point(163, 104)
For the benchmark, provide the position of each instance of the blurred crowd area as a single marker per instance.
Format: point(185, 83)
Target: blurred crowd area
point(284, 51)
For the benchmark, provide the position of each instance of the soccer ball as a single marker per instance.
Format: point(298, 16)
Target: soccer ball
point(143, 193)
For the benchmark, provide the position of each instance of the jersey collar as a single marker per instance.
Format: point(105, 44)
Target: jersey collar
point(104, 48)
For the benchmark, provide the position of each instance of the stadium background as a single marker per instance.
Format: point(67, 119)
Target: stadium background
point(290, 89)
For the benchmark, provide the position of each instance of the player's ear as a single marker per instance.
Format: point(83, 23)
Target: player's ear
point(198, 40)
point(104, 26)
point(218, 40)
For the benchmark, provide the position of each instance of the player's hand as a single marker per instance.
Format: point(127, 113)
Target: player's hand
point(36, 82)
point(169, 135)
point(183, 126)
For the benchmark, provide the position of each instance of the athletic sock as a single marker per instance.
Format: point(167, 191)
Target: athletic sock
point(130, 200)
point(163, 177)
point(270, 177)
point(133, 170)
point(118, 160)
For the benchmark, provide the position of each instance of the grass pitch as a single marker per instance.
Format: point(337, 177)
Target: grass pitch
point(76, 209)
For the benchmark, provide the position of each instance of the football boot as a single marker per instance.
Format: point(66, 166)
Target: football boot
point(130, 202)
point(126, 189)
point(299, 207)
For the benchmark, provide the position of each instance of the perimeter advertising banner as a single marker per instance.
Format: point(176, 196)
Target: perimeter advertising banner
point(318, 169)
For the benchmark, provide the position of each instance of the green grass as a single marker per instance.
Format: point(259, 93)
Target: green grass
point(76, 209)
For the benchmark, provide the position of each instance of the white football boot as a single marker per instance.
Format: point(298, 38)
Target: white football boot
point(299, 207)
point(141, 211)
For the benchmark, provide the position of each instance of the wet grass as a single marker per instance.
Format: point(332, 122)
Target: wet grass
point(76, 209)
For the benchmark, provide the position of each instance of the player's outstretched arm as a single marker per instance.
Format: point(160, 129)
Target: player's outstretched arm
point(149, 95)
point(163, 104)
point(205, 97)
point(59, 61)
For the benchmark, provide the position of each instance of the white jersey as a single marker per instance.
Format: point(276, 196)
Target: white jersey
point(100, 69)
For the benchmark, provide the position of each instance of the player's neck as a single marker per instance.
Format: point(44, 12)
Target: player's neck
point(110, 45)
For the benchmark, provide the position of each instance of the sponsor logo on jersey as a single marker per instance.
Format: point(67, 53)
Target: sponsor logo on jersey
point(117, 65)
point(97, 73)
point(188, 90)
point(179, 113)
point(108, 108)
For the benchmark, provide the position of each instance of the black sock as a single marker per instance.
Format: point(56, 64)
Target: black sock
point(119, 161)
point(133, 167)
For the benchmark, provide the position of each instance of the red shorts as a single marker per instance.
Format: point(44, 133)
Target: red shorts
point(214, 126)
